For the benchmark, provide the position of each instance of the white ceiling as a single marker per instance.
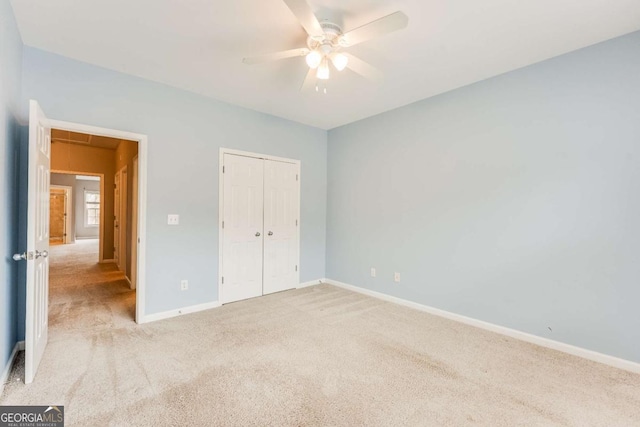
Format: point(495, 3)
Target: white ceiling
point(198, 45)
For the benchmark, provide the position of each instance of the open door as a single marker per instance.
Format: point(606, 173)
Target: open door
point(37, 255)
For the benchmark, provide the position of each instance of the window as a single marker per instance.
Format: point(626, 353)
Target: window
point(91, 208)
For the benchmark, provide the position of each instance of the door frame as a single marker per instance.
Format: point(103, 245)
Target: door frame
point(142, 141)
point(123, 207)
point(134, 224)
point(224, 151)
point(68, 210)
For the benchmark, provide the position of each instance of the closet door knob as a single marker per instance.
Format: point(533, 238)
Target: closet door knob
point(257, 234)
point(270, 233)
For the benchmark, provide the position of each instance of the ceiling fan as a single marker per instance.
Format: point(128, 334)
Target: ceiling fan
point(326, 44)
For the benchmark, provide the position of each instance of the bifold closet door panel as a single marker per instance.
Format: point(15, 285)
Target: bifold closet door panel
point(281, 196)
point(242, 254)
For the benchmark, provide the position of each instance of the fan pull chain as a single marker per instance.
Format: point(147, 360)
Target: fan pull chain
point(324, 88)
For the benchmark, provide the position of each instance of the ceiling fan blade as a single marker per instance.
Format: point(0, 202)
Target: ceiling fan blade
point(395, 21)
point(276, 56)
point(305, 15)
point(309, 81)
point(366, 70)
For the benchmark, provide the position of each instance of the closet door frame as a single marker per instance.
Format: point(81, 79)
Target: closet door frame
point(222, 152)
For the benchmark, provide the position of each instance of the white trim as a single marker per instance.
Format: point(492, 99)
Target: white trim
point(7, 368)
point(179, 312)
point(84, 207)
point(224, 151)
point(142, 197)
point(311, 283)
point(257, 155)
point(616, 362)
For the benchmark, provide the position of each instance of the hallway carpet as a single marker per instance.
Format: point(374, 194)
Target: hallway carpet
point(85, 295)
point(317, 356)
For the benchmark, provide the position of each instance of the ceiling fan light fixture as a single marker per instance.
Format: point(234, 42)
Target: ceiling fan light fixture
point(323, 70)
point(314, 59)
point(340, 61)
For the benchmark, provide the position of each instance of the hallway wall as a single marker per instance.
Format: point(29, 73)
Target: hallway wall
point(125, 153)
point(79, 159)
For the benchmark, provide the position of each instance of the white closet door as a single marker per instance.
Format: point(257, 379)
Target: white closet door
point(280, 225)
point(243, 228)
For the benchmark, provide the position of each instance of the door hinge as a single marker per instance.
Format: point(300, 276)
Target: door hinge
point(222, 224)
point(222, 169)
point(223, 280)
point(296, 177)
point(296, 268)
point(296, 222)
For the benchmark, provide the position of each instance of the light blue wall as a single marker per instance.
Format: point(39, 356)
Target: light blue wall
point(515, 200)
point(185, 133)
point(10, 74)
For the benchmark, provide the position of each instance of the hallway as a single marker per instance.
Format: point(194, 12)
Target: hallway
point(84, 295)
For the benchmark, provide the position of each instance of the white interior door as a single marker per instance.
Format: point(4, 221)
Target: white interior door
point(281, 196)
point(37, 313)
point(116, 219)
point(242, 228)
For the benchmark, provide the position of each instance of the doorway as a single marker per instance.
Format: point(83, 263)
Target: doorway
point(96, 264)
point(72, 141)
point(60, 214)
point(135, 274)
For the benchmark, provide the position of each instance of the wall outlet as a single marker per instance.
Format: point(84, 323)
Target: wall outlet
point(184, 285)
point(396, 277)
point(373, 272)
point(173, 219)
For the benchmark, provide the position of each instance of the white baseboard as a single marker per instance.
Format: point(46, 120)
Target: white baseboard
point(616, 362)
point(311, 283)
point(7, 369)
point(179, 312)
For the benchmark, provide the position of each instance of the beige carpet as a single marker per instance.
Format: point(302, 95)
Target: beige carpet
point(312, 356)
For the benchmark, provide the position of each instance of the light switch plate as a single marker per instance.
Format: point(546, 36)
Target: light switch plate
point(173, 219)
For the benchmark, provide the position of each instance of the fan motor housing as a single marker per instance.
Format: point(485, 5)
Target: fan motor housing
point(331, 36)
